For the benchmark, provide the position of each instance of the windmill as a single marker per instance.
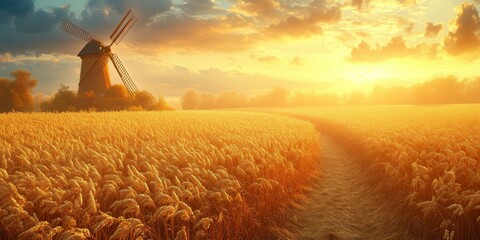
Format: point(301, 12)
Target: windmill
point(94, 74)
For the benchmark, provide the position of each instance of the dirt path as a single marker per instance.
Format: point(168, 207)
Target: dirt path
point(343, 205)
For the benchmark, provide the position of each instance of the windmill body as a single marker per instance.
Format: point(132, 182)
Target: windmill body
point(94, 74)
point(101, 82)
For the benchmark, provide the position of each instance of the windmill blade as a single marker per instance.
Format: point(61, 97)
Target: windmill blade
point(127, 29)
point(126, 79)
point(79, 32)
point(123, 27)
point(122, 23)
point(98, 66)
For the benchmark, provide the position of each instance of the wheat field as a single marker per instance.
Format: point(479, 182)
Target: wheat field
point(169, 175)
point(428, 156)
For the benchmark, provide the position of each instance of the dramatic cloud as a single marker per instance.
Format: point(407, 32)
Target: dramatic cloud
point(433, 30)
point(26, 30)
point(14, 8)
point(145, 9)
point(295, 26)
point(465, 27)
point(259, 7)
point(395, 48)
point(33, 31)
point(164, 25)
point(362, 4)
point(222, 33)
point(104, 15)
point(42, 20)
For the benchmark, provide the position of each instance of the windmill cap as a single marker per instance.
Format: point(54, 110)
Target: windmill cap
point(92, 48)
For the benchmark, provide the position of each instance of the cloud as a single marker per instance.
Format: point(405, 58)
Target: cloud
point(267, 8)
point(102, 16)
point(200, 25)
point(220, 33)
point(266, 59)
point(395, 48)
point(465, 26)
point(54, 58)
point(146, 9)
point(294, 26)
point(35, 31)
point(363, 34)
point(359, 3)
point(197, 6)
point(407, 2)
point(42, 20)
point(433, 30)
point(14, 8)
point(6, 57)
point(305, 26)
point(407, 24)
point(363, 4)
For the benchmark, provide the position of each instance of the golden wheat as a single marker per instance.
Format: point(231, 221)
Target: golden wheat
point(176, 175)
point(430, 154)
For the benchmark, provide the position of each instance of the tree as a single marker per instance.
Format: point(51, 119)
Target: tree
point(22, 90)
point(231, 100)
point(16, 94)
point(64, 101)
point(162, 105)
point(87, 101)
point(145, 100)
point(117, 98)
point(207, 101)
point(277, 97)
point(191, 100)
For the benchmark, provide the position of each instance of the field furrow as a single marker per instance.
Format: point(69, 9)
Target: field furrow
point(343, 204)
point(429, 157)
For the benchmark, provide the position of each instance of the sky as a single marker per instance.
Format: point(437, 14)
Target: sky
point(248, 46)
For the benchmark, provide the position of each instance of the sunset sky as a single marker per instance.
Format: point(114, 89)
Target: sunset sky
point(249, 45)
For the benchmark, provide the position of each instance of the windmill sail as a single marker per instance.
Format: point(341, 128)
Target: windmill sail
point(77, 31)
point(123, 27)
point(127, 81)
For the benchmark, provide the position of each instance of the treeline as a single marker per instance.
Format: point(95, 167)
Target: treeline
point(440, 90)
point(16, 95)
point(116, 98)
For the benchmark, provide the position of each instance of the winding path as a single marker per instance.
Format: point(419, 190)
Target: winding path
point(343, 205)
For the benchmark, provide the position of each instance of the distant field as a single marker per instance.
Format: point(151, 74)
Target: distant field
point(429, 155)
point(166, 175)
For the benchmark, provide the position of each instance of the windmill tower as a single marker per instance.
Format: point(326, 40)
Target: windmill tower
point(94, 74)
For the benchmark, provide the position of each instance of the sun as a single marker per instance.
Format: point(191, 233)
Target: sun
point(368, 74)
